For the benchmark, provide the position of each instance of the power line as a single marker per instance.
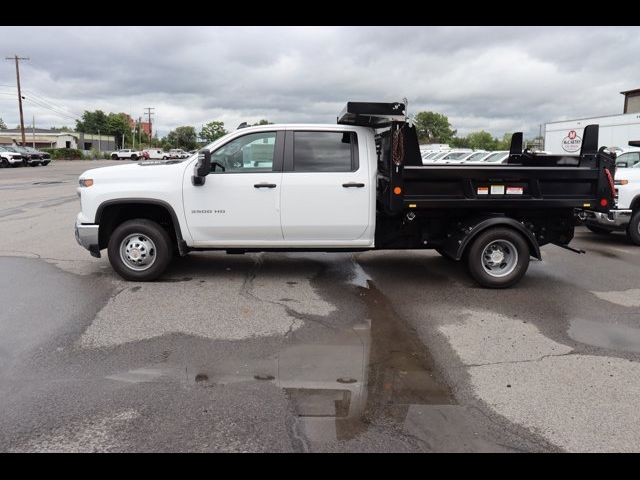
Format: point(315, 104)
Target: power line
point(49, 107)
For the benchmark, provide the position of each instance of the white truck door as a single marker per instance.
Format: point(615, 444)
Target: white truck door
point(325, 187)
point(239, 205)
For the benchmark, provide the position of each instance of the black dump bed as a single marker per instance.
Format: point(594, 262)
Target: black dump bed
point(527, 181)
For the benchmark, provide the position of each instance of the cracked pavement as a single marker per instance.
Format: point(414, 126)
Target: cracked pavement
point(378, 351)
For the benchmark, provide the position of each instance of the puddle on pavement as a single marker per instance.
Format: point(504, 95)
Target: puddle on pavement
point(605, 335)
point(346, 380)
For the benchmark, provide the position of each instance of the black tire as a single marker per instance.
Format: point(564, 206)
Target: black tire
point(633, 229)
point(45, 163)
point(599, 230)
point(25, 162)
point(513, 242)
point(163, 249)
point(114, 157)
point(4, 163)
point(164, 158)
point(134, 157)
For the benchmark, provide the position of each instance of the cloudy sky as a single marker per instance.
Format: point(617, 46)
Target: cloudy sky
point(493, 78)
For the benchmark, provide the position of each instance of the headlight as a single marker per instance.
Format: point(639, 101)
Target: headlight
point(86, 182)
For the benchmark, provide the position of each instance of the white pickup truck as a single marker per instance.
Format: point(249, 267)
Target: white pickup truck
point(126, 153)
point(626, 214)
point(352, 186)
point(9, 158)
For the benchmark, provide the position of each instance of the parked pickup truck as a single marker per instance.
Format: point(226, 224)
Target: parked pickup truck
point(626, 214)
point(126, 153)
point(9, 158)
point(352, 186)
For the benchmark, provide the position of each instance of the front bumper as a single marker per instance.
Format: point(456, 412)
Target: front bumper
point(87, 237)
point(615, 219)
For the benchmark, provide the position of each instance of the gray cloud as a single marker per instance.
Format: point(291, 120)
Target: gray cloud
point(493, 78)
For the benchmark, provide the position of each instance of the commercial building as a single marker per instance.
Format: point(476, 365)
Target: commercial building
point(45, 138)
point(620, 130)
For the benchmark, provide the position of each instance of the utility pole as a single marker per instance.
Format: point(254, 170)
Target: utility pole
point(33, 131)
point(149, 113)
point(17, 60)
point(140, 130)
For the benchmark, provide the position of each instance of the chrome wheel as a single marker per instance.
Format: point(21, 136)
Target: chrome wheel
point(138, 252)
point(499, 258)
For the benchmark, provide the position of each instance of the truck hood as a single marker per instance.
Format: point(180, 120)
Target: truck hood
point(148, 170)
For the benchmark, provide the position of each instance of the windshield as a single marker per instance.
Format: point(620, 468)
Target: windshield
point(455, 156)
point(495, 157)
point(476, 156)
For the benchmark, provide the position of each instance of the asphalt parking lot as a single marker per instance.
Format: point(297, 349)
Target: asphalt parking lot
point(379, 351)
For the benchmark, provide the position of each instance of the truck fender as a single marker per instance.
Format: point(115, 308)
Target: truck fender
point(182, 245)
point(457, 243)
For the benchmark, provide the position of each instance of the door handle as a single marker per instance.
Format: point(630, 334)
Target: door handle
point(265, 185)
point(353, 185)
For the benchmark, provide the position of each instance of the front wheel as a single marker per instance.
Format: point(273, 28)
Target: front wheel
point(4, 163)
point(134, 157)
point(498, 258)
point(140, 250)
point(633, 230)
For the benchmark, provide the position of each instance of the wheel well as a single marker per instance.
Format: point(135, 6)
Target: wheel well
point(533, 247)
point(635, 204)
point(111, 216)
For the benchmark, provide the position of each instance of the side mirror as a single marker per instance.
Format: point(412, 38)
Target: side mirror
point(202, 168)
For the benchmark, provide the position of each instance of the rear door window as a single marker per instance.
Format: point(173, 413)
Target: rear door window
point(325, 151)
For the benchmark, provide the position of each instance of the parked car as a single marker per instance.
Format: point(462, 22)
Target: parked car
point(155, 154)
point(625, 217)
point(126, 153)
point(45, 157)
point(454, 156)
point(32, 159)
point(435, 158)
point(178, 153)
point(9, 158)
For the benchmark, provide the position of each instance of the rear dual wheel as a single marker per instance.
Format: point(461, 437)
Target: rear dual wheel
point(498, 258)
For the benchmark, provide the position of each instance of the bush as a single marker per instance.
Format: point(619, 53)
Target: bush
point(96, 155)
point(64, 153)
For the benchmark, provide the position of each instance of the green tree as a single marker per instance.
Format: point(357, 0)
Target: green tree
point(433, 127)
point(262, 122)
point(482, 141)
point(459, 142)
point(182, 137)
point(213, 131)
point(61, 129)
point(93, 122)
point(3, 126)
point(118, 126)
point(505, 143)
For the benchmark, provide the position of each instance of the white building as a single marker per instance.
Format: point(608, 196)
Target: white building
point(44, 138)
point(615, 130)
